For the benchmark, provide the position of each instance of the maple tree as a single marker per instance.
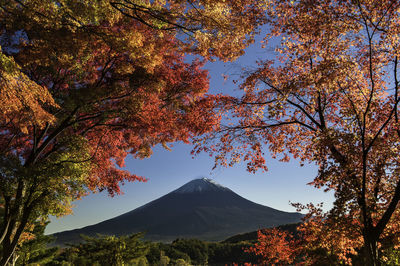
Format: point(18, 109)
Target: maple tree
point(330, 97)
point(84, 84)
point(321, 239)
point(274, 246)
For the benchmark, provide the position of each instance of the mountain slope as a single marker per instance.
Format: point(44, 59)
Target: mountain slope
point(199, 209)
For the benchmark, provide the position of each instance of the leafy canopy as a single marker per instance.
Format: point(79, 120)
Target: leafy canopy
point(83, 84)
point(330, 98)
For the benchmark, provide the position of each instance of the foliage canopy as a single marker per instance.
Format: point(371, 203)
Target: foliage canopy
point(83, 84)
point(330, 97)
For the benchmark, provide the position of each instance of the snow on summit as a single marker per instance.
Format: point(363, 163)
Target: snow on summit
point(201, 185)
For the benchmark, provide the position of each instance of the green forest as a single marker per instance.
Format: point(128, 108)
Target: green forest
point(132, 250)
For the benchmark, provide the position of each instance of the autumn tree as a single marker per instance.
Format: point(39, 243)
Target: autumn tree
point(274, 247)
point(331, 98)
point(83, 84)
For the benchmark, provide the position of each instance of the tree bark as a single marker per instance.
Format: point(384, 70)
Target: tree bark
point(371, 251)
point(7, 253)
point(12, 237)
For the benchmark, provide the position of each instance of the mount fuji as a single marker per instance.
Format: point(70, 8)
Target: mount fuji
point(200, 209)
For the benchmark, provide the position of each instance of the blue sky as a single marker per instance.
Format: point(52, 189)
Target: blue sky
point(167, 170)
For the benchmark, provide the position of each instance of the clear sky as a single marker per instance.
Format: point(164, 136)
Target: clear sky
point(168, 170)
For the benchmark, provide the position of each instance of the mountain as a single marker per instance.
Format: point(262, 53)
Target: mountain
point(199, 209)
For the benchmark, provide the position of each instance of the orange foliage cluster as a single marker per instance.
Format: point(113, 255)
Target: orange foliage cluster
point(330, 97)
point(83, 84)
point(274, 246)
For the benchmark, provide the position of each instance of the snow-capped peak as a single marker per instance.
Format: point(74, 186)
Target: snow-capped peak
point(201, 185)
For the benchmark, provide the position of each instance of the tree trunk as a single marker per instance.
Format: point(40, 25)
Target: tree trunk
point(371, 250)
point(8, 248)
point(14, 259)
point(11, 240)
point(7, 254)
